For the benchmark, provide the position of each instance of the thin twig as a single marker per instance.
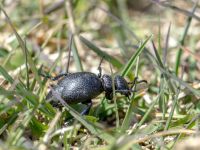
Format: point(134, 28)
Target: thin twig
point(165, 133)
point(47, 137)
point(55, 6)
point(114, 97)
point(69, 53)
point(174, 105)
point(52, 125)
point(120, 23)
point(187, 50)
point(26, 62)
point(166, 45)
point(182, 41)
point(183, 11)
point(127, 142)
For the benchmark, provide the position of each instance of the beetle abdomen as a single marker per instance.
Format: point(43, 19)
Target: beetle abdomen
point(79, 87)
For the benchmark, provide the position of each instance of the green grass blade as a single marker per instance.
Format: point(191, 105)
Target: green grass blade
point(179, 53)
point(76, 57)
point(166, 45)
point(93, 129)
point(5, 92)
point(114, 99)
point(157, 55)
point(178, 9)
point(8, 122)
point(175, 102)
point(5, 74)
point(22, 92)
point(99, 52)
point(174, 77)
point(127, 68)
point(22, 45)
point(121, 23)
point(16, 134)
point(148, 112)
point(133, 59)
point(159, 62)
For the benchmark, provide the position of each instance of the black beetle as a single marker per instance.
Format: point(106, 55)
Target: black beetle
point(84, 86)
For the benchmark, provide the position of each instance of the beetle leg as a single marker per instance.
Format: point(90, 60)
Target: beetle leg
point(125, 92)
point(59, 76)
point(135, 81)
point(99, 67)
point(86, 110)
point(109, 95)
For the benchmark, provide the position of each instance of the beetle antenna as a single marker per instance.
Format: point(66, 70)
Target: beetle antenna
point(99, 67)
point(69, 53)
point(135, 81)
point(142, 81)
